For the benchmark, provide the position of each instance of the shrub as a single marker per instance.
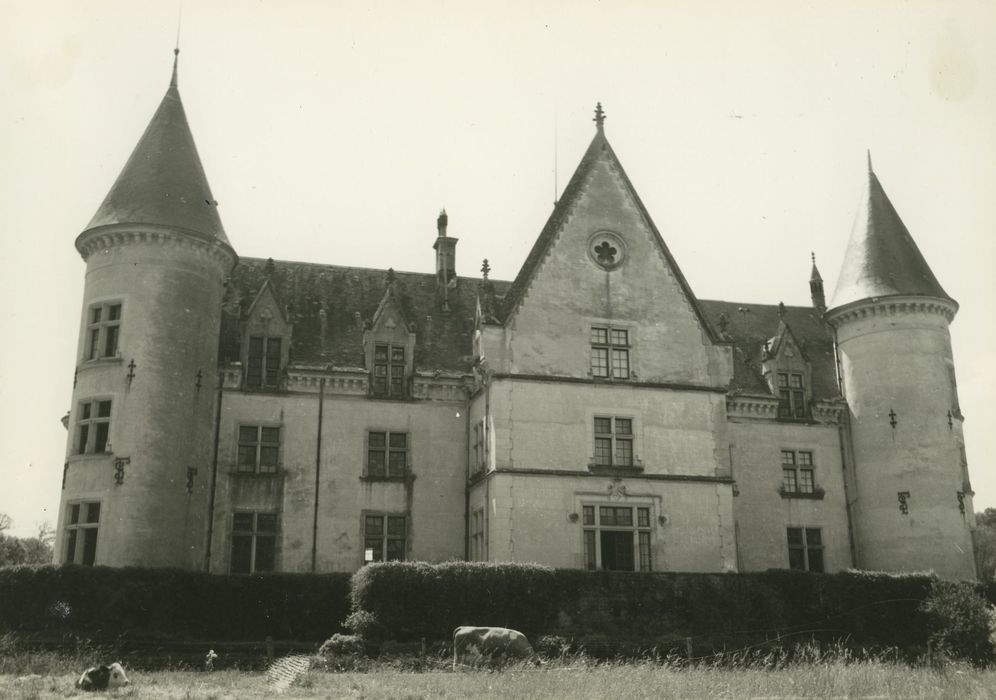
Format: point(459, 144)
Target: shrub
point(342, 645)
point(961, 621)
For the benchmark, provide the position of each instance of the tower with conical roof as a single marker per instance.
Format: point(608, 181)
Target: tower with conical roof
point(911, 501)
point(135, 487)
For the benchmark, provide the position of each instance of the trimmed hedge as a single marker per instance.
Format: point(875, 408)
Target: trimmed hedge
point(102, 603)
point(410, 600)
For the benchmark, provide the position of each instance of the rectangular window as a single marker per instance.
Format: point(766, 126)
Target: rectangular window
point(384, 538)
point(259, 449)
point(387, 454)
point(613, 441)
point(82, 522)
point(791, 395)
point(805, 547)
point(480, 456)
point(617, 539)
point(263, 362)
point(103, 330)
point(477, 552)
point(797, 472)
point(609, 352)
point(389, 370)
point(93, 427)
point(254, 542)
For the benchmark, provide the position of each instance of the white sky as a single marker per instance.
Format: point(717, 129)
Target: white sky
point(334, 131)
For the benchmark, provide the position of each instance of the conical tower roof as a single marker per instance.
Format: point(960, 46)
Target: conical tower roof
point(882, 259)
point(163, 182)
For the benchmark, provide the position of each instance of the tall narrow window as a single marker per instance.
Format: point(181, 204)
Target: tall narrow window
point(609, 352)
point(616, 538)
point(254, 542)
point(259, 449)
point(82, 521)
point(477, 536)
point(613, 442)
point(263, 362)
point(389, 370)
point(93, 426)
point(805, 548)
point(478, 458)
point(384, 538)
point(103, 330)
point(797, 472)
point(387, 454)
point(791, 395)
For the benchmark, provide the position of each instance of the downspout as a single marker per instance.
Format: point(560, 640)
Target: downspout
point(214, 473)
point(466, 482)
point(318, 471)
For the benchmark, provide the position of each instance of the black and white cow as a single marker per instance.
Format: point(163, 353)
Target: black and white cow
point(103, 678)
point(474, 645)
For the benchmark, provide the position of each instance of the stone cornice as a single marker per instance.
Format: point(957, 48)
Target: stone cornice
point(891, 306)
point(754, 407)
point(104, 237)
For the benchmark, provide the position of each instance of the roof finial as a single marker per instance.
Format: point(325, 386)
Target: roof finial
point(812, 255)
point(176, 57)
point(869, 154)
point(599, 117)
point(176, 47)
point(485, 268)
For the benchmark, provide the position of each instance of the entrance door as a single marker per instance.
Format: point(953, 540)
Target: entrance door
point(617, 550)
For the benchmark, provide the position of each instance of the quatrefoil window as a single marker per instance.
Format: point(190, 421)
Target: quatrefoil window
point(607, 249)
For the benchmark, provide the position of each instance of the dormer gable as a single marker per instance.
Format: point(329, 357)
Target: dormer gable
point(266, 340)
point(389, 348)
point(788, 372)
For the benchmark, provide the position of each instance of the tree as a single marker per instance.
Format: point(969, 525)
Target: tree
point(25, 550)
point(985, 543)
point(5, 522)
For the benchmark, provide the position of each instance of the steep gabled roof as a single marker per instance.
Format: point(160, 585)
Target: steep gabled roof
point(882, 259)
point(163, 182)
point(599, 145)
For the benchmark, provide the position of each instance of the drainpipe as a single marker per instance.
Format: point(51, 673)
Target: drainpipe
point(466, 481)
point(318, 471)
point(214, 473)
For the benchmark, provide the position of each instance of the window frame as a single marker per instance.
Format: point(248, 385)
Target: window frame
point(616, 439)
point(394, 387)
point(793, 403)
point(806, 548)
point(387, 450)
point(102, 330)
point(256, 536)
point(89, 422)
point(270, 362)
point(384, 537)
point(479, 454)
point(640, 524)
point(77, 519)
point(799, 474)
point(258, 446)
point(478, 529)
point(610, 348)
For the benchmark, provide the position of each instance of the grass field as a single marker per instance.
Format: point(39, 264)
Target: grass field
point(575, 679)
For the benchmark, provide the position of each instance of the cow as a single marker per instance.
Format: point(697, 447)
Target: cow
point(473, 645)
point(103, 678)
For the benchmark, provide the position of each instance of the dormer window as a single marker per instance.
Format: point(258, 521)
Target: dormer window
point(263, 362)
point(389, 370)
point(791, 395)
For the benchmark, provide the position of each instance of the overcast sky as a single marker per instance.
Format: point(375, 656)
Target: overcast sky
point(334, 132)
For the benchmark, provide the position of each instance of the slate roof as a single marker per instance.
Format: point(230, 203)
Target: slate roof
point(881, 258)
point(163, 181)
point(444, 342)
point(443, 338)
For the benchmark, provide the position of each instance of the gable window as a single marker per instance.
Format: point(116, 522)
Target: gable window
point(613, 442)
point(805, 548)
point(616, 538)
point(797, 472)
point(389, 370)
point(82, 520)
point(477, 552)
point(609, 352)
point(103, 330)
point(254, 542)
point(259, 449)
point(791, 395)
point(93, 426)
point(384, 537)
point(387, 454)
point(263, 362)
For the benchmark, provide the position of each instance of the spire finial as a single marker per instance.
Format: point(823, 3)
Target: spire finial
point(812, 256)
point(176, 58)
point(485, 268)
point(599, 117)
point(868, 153)
point(176, 46)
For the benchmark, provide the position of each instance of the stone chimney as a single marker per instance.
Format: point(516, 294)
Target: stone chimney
point(445, 248)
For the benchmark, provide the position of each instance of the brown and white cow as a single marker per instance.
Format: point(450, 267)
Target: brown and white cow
point(475, 645)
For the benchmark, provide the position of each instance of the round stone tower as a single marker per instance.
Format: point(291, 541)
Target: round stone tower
point(912, 500)
point(141, 422)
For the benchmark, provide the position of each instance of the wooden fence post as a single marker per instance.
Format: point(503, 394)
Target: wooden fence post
point(688, 648)
point(269, 649)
